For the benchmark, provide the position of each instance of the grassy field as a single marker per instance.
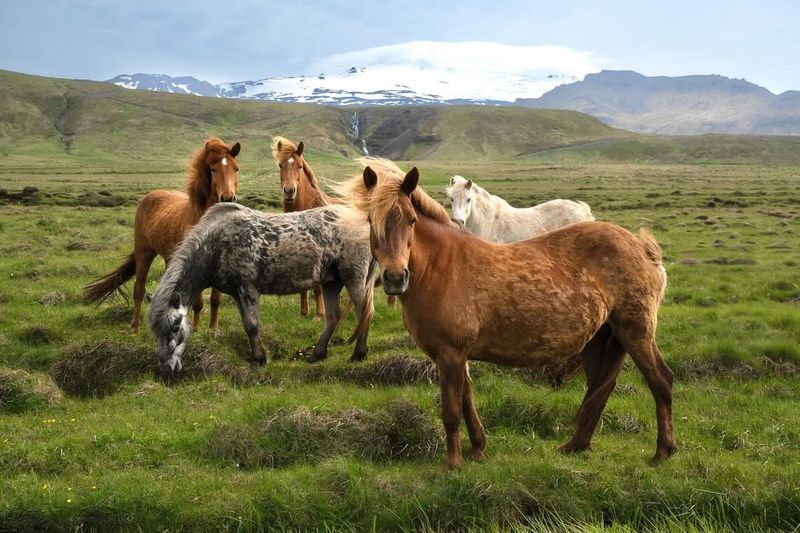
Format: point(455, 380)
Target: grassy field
point(90, 438)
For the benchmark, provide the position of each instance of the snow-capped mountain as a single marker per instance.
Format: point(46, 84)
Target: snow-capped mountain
point(164, 83)
point(376, 85)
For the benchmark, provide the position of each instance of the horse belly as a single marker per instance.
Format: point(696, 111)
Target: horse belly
point(541, 329)
point(289, 268)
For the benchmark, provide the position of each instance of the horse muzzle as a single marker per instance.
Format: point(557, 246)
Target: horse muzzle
point(289, 194)
point(170, 367)
point(395, 283)
point(227, 199)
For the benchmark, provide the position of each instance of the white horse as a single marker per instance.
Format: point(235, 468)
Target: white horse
point(493, 219)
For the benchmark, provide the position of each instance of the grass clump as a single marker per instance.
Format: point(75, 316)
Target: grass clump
point(396, 430)
point(21, 391)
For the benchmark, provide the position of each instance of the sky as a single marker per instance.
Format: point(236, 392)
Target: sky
point(236, 40)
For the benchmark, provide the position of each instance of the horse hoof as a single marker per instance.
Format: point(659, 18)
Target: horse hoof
point(453, 463)
point(477, 455)
point(663, 454)
point(317, 318)
point(570, 448)
point(315, 358)
point(357, 358)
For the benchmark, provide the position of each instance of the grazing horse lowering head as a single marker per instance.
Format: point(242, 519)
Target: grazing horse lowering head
point(392, 219)
point(292, 167)
point(462, 196)
point(173, 331)
point(222, 171)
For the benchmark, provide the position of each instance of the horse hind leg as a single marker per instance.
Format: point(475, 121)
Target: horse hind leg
point(304, 303)
point(144, 258)
point(320, 304)
point(602, 360)
point(645, 354)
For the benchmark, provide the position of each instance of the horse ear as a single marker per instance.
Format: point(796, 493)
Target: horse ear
point(300, 147)
point(469, 184)
point(410, 182)
point(370, 178)
point(278, 146)
point(175, 300)
point(452, 181)
point(235, 149)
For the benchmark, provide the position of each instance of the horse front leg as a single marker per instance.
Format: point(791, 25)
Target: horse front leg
point(331, 293)
point(477, 435)
point(213, 323)
point(452, 370)
point(247, 302)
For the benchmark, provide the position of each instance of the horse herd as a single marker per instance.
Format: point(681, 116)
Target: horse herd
point(581, 291)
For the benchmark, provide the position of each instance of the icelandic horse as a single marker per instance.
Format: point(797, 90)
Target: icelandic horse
point(590, 290)
point(164, 217)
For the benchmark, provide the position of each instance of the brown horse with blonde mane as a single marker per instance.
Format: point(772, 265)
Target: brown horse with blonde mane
point(162, 220)
point(589, 292)
point(300, 190)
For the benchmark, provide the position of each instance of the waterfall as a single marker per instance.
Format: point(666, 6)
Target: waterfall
point(355, 130)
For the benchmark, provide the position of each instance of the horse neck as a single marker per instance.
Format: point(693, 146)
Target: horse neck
point(309, 195)
point(435, 246)
point(485, 211)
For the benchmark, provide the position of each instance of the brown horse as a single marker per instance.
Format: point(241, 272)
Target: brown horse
point(590, 290)
point(164, 217)
point(300, 191)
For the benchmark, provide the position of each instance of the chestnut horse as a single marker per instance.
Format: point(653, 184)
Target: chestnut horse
point(590, 290)
point(300, 191)
point(162, 220)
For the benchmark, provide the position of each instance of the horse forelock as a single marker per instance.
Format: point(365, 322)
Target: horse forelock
point(282, 149)
point(379, 202)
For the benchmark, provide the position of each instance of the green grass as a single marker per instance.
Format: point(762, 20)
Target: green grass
point(340, 446)
point(90, 438)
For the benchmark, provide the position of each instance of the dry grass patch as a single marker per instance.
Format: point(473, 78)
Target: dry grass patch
point(21, 391)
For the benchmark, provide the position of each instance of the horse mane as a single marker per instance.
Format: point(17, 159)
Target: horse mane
point(183, 259)
point(198, 182)
point(379, 201)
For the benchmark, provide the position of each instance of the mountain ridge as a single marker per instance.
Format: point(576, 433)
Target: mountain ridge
point(695, 104)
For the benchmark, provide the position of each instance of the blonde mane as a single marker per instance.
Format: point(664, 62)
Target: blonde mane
point(379, 201)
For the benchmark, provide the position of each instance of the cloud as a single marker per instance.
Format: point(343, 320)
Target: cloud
point(469, 56)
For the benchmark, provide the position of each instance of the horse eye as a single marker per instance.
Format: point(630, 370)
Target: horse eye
point(412, 222)
point(469, 200)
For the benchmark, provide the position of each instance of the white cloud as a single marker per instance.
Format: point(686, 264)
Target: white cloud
point(470, 56)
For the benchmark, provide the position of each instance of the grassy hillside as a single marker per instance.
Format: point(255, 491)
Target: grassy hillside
point(68, 124)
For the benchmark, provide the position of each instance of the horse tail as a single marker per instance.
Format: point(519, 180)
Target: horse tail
point(653, 251)
point(103, 288)
point(367, 311)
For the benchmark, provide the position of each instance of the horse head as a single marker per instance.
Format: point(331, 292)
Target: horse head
point(173, 331)
point(462, 196)
point(392, 231)
point(224, 170)
point(292, 169)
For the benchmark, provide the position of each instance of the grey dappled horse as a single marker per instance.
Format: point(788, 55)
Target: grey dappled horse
point(246, 253)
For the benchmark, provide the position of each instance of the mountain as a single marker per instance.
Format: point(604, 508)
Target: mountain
point(375, 85)
point(677, 105)
point(164, 83)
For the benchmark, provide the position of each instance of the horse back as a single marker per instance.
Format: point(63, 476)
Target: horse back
point(162, 220)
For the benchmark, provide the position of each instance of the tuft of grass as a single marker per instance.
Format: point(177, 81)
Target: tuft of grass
point(22, 391)
point(396, 430)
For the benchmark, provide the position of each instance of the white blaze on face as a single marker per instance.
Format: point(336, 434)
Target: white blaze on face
point(290, 160)
point(224, 161)
point(461, 205)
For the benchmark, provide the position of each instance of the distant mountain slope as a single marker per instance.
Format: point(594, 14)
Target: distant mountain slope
point(69, 124)
point(167, 84)
point(677, 105)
